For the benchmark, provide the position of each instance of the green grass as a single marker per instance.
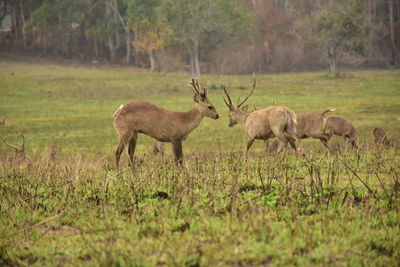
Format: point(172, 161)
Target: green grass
point(220, 209)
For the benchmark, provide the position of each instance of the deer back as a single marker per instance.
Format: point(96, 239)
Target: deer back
point(340, 126)
point(260, 122)
point(311, 124)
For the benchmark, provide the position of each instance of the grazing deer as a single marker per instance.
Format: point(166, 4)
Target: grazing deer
point(159, 123)
point(264, 123)
point(340, 126)
point(20, 156)
point(2, 120)
point(50, 153)
point(158, 147)
point(380, 138)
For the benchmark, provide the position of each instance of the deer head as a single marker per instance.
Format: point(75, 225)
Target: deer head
point(200, 97)
point(238, 112)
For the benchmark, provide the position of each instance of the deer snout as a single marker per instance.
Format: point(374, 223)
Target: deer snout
point(215, 117)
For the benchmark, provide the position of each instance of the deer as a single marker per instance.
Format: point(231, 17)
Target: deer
point(161, 124)
point(2, 120)
point(50, 153)
point(380, 138)
point(158, 147)
point(262, 124)
point(340, 126)
point(313, 124)
point(20, 156)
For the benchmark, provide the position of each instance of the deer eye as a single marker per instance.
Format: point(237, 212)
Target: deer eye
point(210, 107)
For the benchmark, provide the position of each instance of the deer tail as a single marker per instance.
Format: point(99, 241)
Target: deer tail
point(329, 109)
point(325, 119)
point(118, 109)
point(291, 119)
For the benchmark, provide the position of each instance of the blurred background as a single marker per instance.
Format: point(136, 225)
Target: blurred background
point(207, 36)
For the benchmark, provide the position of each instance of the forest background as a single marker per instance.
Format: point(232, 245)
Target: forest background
point(208, 36)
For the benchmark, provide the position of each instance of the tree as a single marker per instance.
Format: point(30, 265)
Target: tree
point(217, 21)
point(144, 19)
point(392, 36)
point(339, 28)
point(59, 18)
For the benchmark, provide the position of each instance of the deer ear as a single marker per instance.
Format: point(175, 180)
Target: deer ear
point(245, 108)
point(196, 98)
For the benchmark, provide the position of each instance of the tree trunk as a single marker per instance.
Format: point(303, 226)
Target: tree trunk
point(191, 59)
point(23, 33)
point(128, 46)
point(392, 41)
point(15, 22)
point(134, 51)
point(152, 61)
point(332, 56)
point(196, 61)
point(112, 48)
point(96, 47)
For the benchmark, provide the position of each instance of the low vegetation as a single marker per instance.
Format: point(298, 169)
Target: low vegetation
point(220, 208)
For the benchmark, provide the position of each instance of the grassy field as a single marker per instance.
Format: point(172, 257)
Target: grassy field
point(221, 208)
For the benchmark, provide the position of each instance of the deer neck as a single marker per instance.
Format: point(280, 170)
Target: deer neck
point(192, 118)
point(242, 118)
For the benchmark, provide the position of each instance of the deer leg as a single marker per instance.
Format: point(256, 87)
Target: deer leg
point(266, 144)
point(250, 142)
point(346, 141)
point(282, 143)
point(354, 144)
point(122, 143)
point(324, 141)
point(131, 147)
point(291, 137)
point(177, 148)
point(292, 142)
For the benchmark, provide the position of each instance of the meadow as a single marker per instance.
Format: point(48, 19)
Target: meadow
point(220, 208)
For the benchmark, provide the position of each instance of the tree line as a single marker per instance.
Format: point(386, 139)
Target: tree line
point(225, 36)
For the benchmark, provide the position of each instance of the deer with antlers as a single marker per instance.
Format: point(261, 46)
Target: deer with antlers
point(262, 124)
point(159, 123)
point(20, 156)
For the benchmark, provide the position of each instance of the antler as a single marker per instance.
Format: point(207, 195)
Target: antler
point(12, 146)
point(15, 147)
point(230, 105)
point(197, 88)
point(254, 87)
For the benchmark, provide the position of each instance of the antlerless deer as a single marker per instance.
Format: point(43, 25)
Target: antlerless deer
point(337, 125)
point(313, 124)
point(159, 123)
point(380, 138)
point(322, 127)
point(264, 123)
